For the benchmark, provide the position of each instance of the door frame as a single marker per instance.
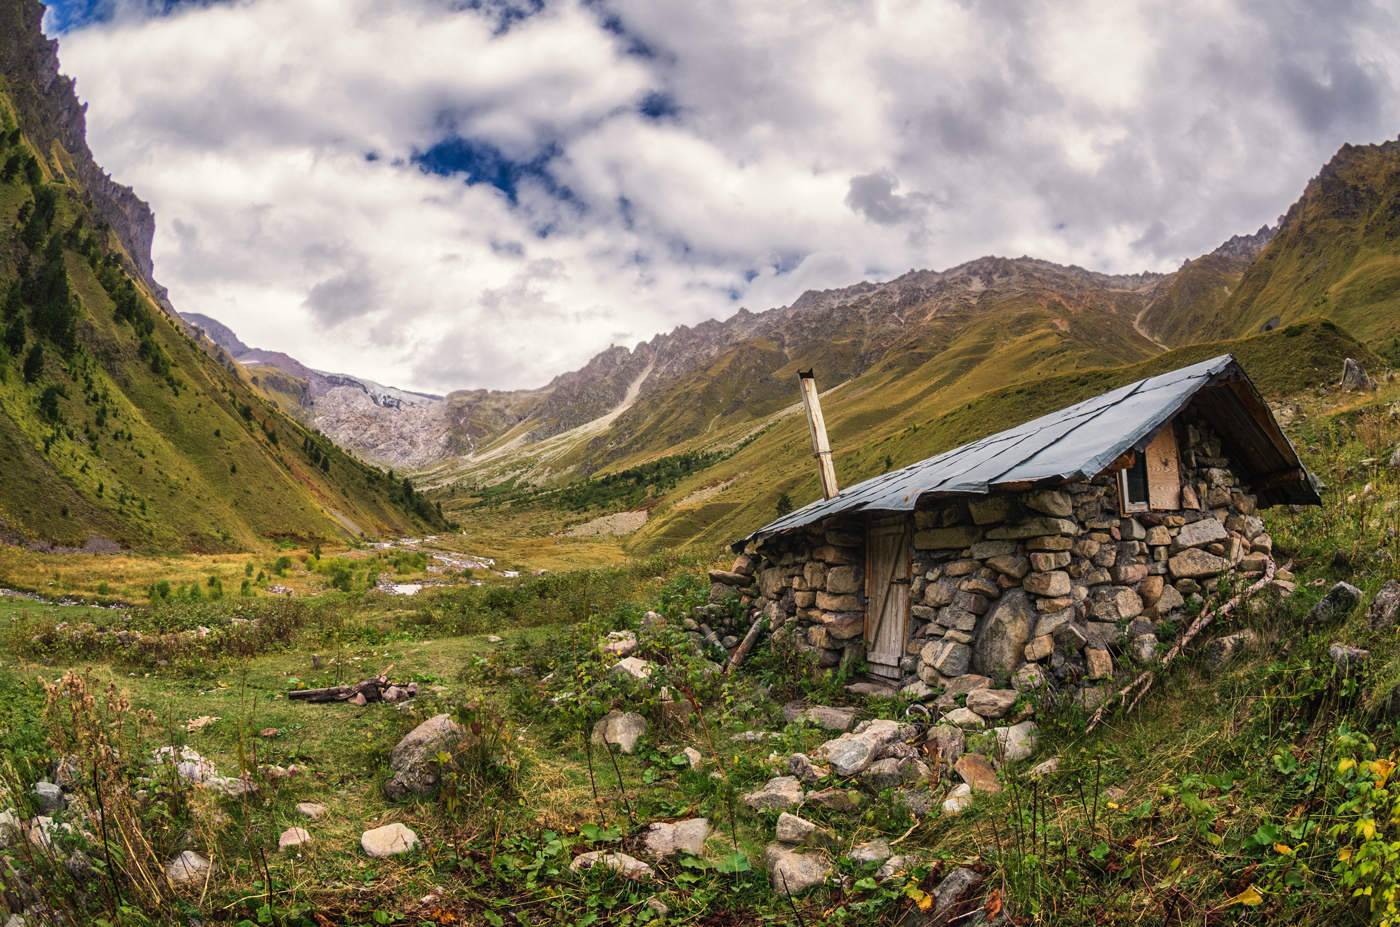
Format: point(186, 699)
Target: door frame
point(904, 521)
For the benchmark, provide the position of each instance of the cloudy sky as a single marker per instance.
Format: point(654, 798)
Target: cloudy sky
point(441, 194)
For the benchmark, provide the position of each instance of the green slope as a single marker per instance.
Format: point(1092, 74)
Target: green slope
point(116, 426)
point(904, 417)
point(1337, 255)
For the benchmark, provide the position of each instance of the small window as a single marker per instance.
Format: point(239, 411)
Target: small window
point(1132, 485)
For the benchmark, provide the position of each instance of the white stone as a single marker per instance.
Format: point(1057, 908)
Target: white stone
point(186, 868)
point(634, 668)
point(389, 840)
point(292, 838)
point(958, 800)
point(665, 838)
point(621, 729)
point(311, 809)
point(629, 867)
point(777, 794)
point(793, 870)
point(1018, 741)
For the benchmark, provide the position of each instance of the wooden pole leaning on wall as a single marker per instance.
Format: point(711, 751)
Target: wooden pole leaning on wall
point(816, 425)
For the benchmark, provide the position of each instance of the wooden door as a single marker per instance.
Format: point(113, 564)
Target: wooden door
point(887, 564)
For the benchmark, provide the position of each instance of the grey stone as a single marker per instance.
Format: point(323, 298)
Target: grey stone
point(792, 871)
point(948, 657)
point(48, 796)
point(777, 794)
point(964, 717)
point(629, 867)
point(1034, 527)
point(665, 838)
point(894, 867)
point(1001, 640)
point(311, 809)
point(1198, 534)
point(958, 800)
point(870, 853)
point(1346, 657)
point(835, 799)
point(621, 729)
point(1195, 563)
point(1017, 742)
point(620, 643)
point(991, 703)
point(956, 895)
point(1050, 502)
point(894, 771)
point(1336, 604)
point(851, 753)
point(798, 831)
point(823, 716)
point(1220, 651)
point(1053, 583)
point(948, 742)
point(1355, 378)
point(389, 840)
point(414, 762)
point(1144, 648)
point(187, 868)
point(1029, 678)
point(801, 766)
point(917, 800)
point(1385, 607)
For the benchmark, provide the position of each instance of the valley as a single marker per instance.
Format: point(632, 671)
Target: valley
point(288, 646)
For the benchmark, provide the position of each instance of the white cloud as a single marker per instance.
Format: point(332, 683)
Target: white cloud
point(810, 144)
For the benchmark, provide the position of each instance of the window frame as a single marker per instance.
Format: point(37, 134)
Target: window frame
point(1125, 505)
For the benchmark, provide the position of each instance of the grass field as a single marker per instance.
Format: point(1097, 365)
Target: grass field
point(1226, 798)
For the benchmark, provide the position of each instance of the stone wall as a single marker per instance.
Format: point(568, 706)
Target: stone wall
point(1048, 589)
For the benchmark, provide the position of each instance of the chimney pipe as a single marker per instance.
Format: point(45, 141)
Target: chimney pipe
point(816, 425)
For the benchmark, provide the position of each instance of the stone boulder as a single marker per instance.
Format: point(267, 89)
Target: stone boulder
point(894, 771)
point(832, 719)
point(416, 772)
point(1194, 563)
point(1384, 611)
point(663, 839)
point(870, 853)
point(629, 867)
point(1003, 633)
point(778, 794)
point(389, 840)
point(1017, 742)
point(1355, 378)
point(311, 809)
point(292, 838)
point(958, 800)
point(1222, 650)
point(620, 643)
point(1199, 533)
point(1346, 657)
point(621, 729)
point(977, 772)
point(792, 870)
point(955, 897)
point(1335, 605)
point(798, 831)
point(851, 753)
point(992, 703)
point(633, 668)
point(187, 868)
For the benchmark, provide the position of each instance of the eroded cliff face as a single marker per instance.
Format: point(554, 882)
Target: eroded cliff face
point(52, 114)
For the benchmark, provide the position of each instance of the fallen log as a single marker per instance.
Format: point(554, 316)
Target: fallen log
point(368, 690)
point(745, 645)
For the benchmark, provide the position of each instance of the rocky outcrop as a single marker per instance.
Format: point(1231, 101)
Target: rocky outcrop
point(415, 758)
point(50, 113)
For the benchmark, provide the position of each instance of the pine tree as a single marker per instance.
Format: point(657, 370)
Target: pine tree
point(34, 363)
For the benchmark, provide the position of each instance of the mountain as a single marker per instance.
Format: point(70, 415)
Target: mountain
point(1336, 254)
point(117, 429)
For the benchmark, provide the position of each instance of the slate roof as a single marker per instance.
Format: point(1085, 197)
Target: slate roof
point(1079, 442)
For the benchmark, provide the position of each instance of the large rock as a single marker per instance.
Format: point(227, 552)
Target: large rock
point(187, 868)
point(851, 753)
point(792, 870)
point(1385, 607)
point(634, 668)
point(1335, 605)
point(778, 794)
point(958, 800)
point(894, 771)
point(1001, 640)
point(620, 643)
point(1199, 534)
point(621, 729)
point(955, 897)
point(976, 771)
point(1355, 378)
point(664, 838)
point(389, 840)
point(1222, 650)
point(948, 657)
point(823, 716)
point(797, 831)
point(629, 867)
point(991, 703)
point(415, 759)
point(1055, 502)
point(1017, 742)
point(1194, 563)
point(870, 853)
point(1053, 583)
point(292, 838)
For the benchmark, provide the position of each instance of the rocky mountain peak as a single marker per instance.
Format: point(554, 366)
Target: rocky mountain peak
point(1247, 247)
point(51, 112)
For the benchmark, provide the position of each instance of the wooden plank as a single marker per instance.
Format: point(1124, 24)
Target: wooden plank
point(1164, 470)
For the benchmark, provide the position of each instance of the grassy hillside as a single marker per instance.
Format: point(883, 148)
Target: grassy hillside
point(115, 427)
point(1334, 256)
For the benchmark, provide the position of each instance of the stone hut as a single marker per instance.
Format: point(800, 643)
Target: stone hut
point(1041, 555)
